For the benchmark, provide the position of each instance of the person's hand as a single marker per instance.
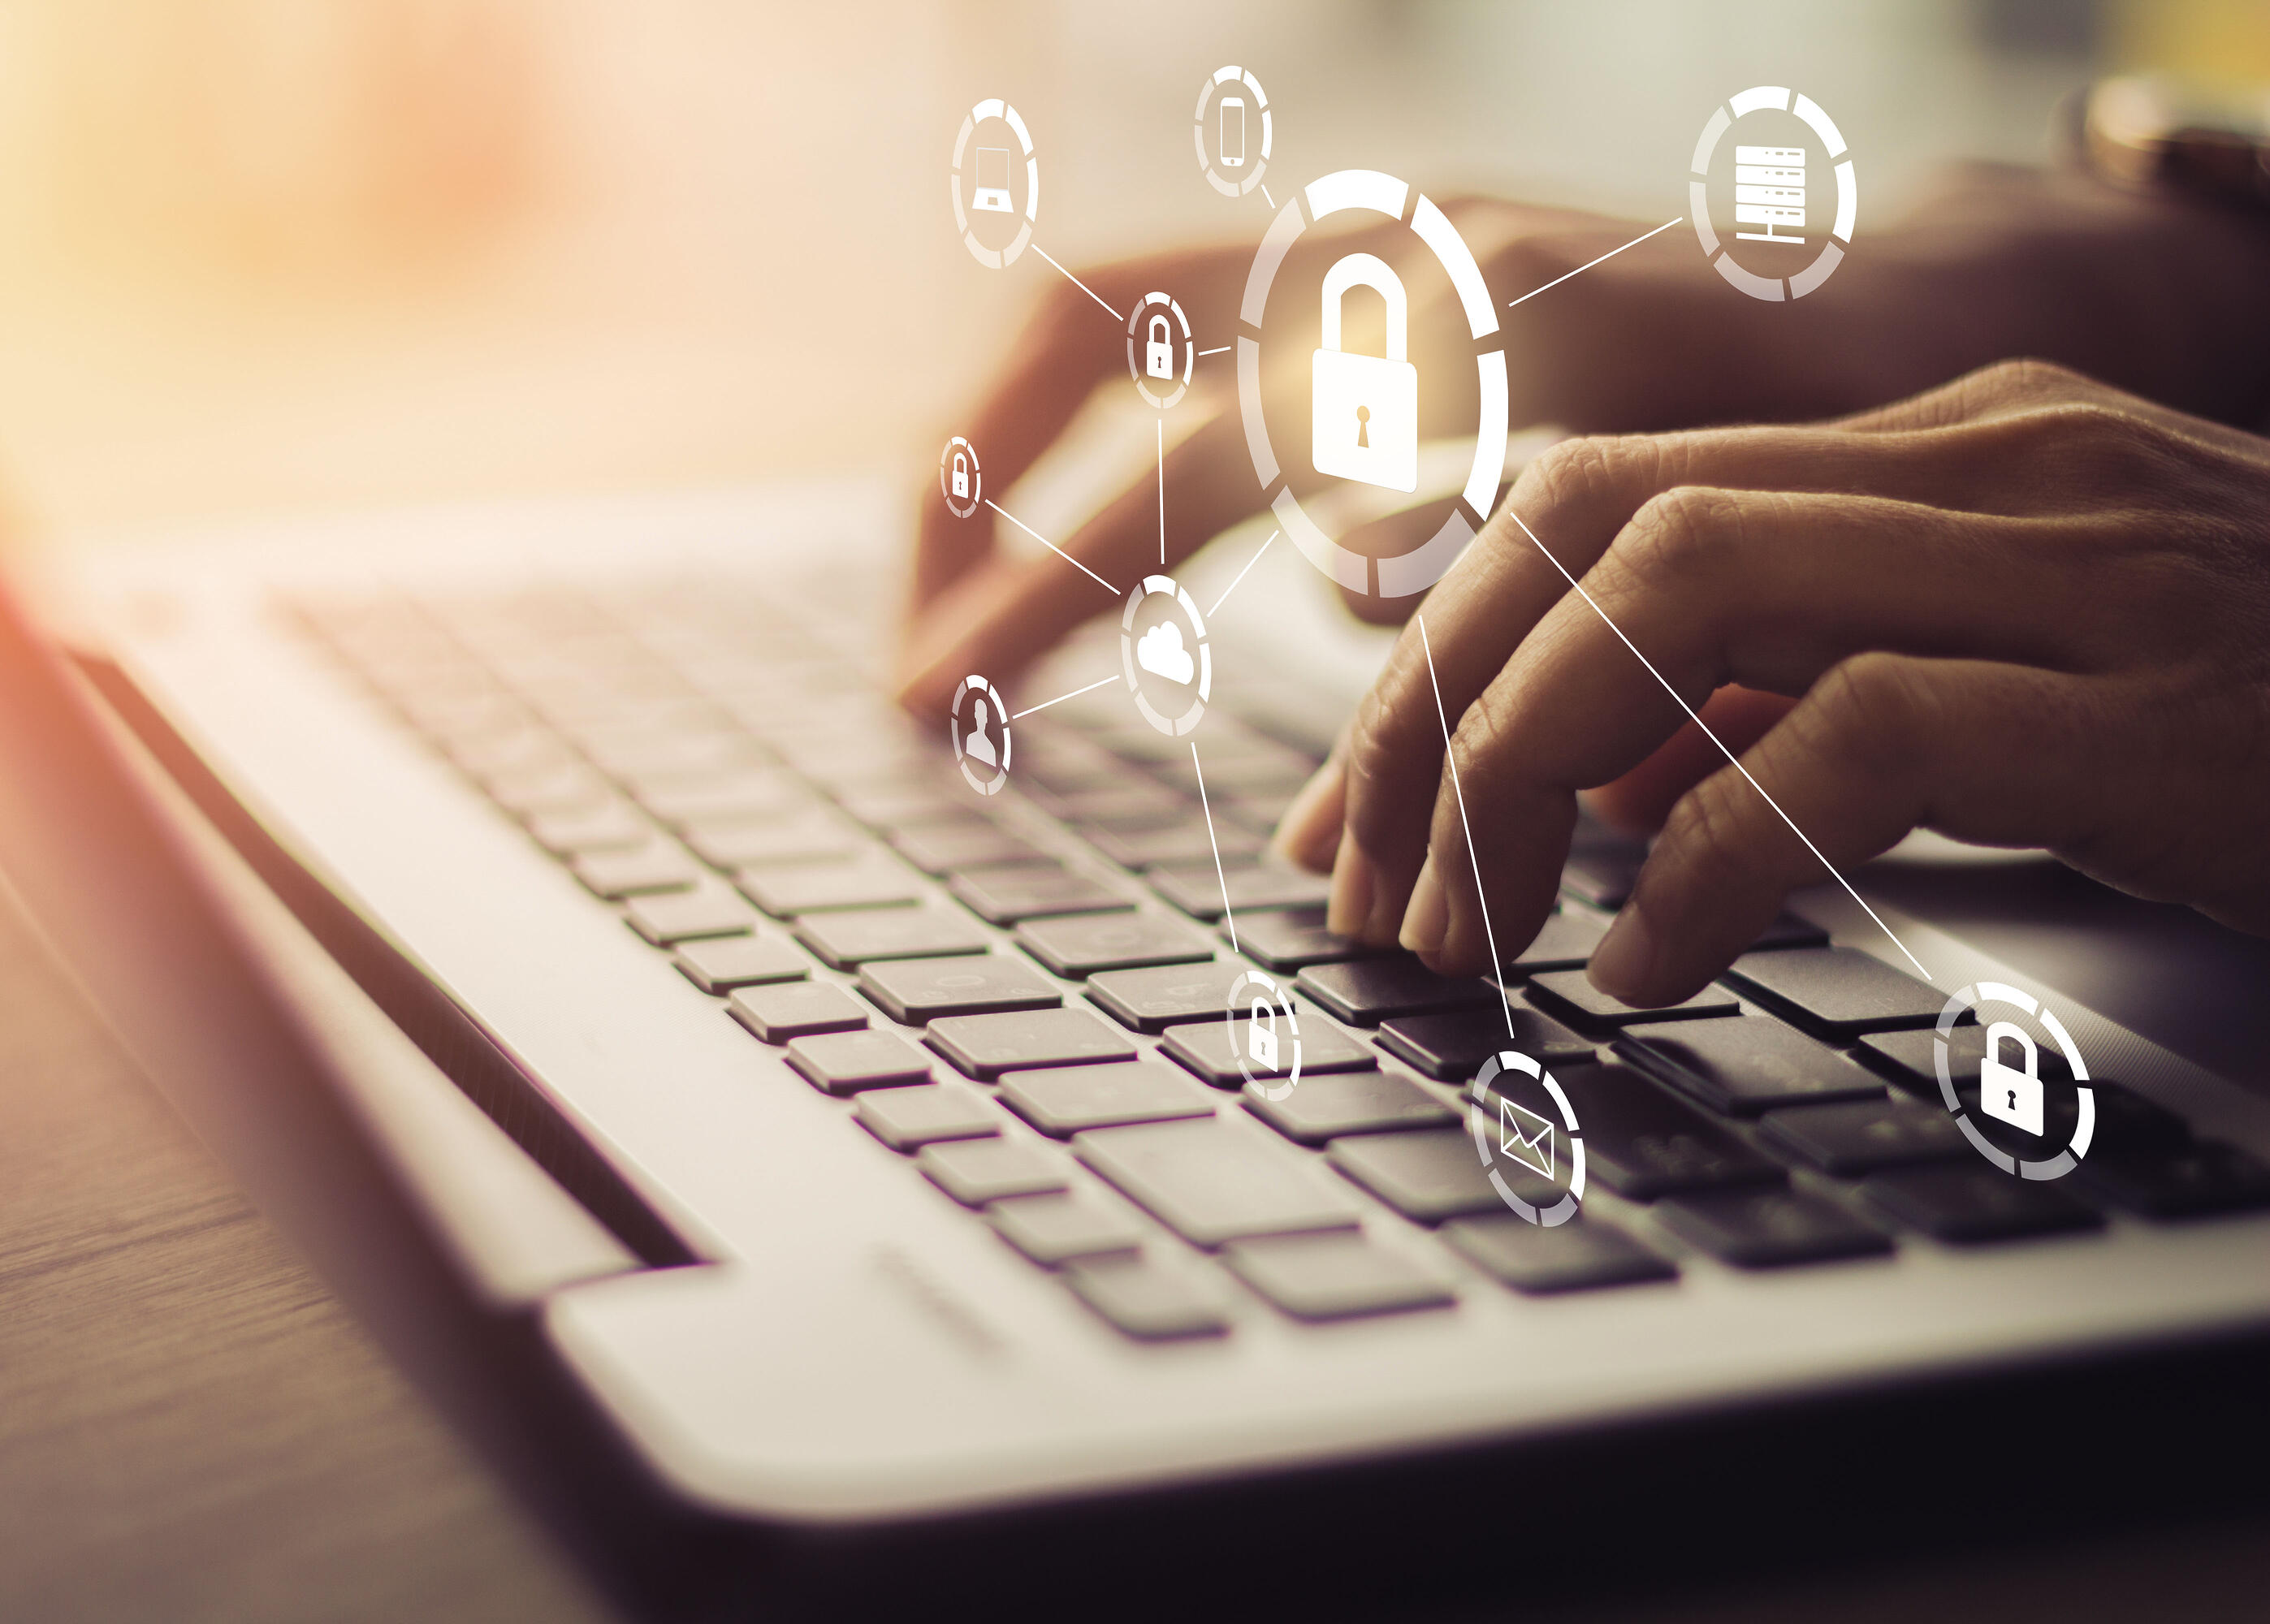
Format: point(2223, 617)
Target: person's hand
point(2022, 610)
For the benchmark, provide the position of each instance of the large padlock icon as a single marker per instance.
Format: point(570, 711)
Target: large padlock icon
point(1159, 353)
point(961, 477)
point(2011, 1094)
point(1261, 1035)
point(1365, 418)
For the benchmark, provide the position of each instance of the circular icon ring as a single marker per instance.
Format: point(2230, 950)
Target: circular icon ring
point(1153, 346)
point(974, 748)
point(1233, 163)
point(1259, 1049)
point(1524, 1139)
point(1366, 191)
point(960, 479)
point(991, 192)
point(2026, 1118)
point(1160, 650)
point(1773, 198)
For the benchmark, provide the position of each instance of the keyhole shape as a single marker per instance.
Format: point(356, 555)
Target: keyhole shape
point(1363, 425)
point(2014, 1100)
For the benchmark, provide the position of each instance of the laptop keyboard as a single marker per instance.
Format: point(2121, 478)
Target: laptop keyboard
point(1025, 999)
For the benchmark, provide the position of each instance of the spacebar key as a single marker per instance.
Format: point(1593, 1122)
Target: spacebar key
point(1212, 1181)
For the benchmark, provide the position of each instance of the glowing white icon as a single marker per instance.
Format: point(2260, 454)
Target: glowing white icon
point(2011, 1094)
point(1233, 132)
point(978, 746)
point(1525, 1136)
point(962, 476)
point(1159, 357)
point(1160, 650)
point(1365, 417)
point(1261, 1034)
point(1769, 191)
point(993, 182)
point(984, 765)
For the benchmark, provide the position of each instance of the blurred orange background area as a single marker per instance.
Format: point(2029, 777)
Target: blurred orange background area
point(276, 255)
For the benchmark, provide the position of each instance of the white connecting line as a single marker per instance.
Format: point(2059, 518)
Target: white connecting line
point(1242, 574)
point(1222, 349)
point(1060, 699)
point(1699, 722)
point(1077, 282)
point(1458, 793)
point(1161, 427)
point(1052, 547)
point(1587, 265)
point(1228, 917)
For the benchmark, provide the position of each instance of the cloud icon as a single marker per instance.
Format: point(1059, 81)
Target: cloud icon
point(1161, 649)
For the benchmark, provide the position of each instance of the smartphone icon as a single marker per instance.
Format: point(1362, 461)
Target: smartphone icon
point(993, 181)
point(1233, 131)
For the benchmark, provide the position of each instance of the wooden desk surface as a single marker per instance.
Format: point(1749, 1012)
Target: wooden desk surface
point(192, 1427)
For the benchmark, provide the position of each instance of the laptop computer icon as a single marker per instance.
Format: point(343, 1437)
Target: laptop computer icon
point(993, 182)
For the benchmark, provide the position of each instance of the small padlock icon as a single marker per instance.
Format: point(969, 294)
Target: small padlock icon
point(1365, 415)
point(1261, 1035)
point(1159, 353)
point(2008, 1093)
point(961, 477)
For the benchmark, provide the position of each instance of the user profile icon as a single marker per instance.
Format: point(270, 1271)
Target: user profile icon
point(979, 726)
point(1164, 653)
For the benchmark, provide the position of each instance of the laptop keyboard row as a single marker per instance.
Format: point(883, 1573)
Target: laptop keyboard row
point(1027, 1001)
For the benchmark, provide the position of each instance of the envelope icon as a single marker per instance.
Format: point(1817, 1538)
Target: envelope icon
point(1525, 1136)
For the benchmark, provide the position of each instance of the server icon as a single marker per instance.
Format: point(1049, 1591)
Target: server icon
point(1769, 191)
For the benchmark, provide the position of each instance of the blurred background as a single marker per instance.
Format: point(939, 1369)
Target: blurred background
point(277, 254)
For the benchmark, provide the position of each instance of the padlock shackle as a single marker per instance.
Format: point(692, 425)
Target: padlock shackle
point(1369, 271)
point(1160, 335)
point(2002, 1029)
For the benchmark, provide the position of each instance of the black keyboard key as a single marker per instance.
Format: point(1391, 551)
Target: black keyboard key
point(1867, 1136)
point(1005, 896)
point(843, 1062)
point(1181, 843)
point(2208, 1178)
point(1325, 1108)
point(1642, 1143)
point(1564, 942)
point(1451, 1047)
point(863, 936)
point(918, 991)
point(796, 1009)
point(1570, 995)
point(1366, 992)
point(1968, 1203)
point(1205, 1048)
point(891, 807)
point(1077, 945)
point(1216, 1180)
point(1121, 805)
point(1788, 930)
point(1839, 992)
point(1152, 1000)
point(943, 848)
point(1195, 888)
point(1578, 1255)
point(709, 908)
point(786, 891)
point(1331, 1276)
point(641, 871)
point(1294, 938)
point(811, 838)
point(906, 1119)
point(1432, 1175)
point(1603, 875)
point(1058, 1229)
point(720, 966)
point(977, 1171)
point(1146, 1299)
point(748, 796)
point(1078, 1098)
point(1746, 1066)
point(1770, 1229)
point(985, 1046)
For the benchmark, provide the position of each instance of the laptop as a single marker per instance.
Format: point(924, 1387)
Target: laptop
point(923, 1182)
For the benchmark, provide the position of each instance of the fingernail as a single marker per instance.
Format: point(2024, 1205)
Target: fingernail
point(1354, 879)
point(1310, 827)
point(1428, 916)
point(1621, 963)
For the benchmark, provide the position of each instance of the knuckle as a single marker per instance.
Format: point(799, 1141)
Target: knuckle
point(1707, 829)
point(2029, 378)
point(1870, 713)
point(1681, 535)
